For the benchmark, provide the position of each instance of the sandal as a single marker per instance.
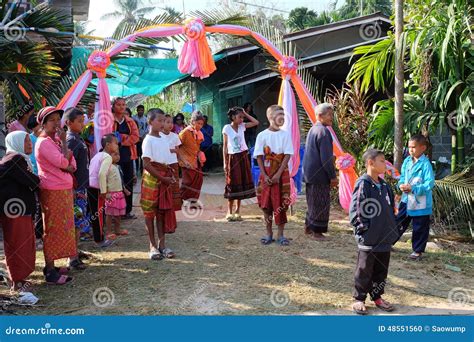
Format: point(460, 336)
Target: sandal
point(155, 255)
point(167, 253)
point(230, 218)
point(283, 241)
point(359, 308)
point(266, 240)
point(384, 305)
point(60, 270)
point(77, 264)
point(237, 217)
point(415, 256)
point(54, 278)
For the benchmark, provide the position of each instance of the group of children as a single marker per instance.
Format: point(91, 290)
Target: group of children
point(99, 187)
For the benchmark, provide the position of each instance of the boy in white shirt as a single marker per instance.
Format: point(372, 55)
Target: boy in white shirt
point(174, 143)
point(273, 149)
point(156, 196)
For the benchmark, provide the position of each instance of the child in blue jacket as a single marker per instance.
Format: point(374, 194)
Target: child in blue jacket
point(416, 182)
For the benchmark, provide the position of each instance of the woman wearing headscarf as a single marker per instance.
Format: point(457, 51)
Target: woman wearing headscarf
point(56, 165)
point(17, 207)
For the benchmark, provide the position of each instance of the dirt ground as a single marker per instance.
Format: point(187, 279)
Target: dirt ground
point(222, 269)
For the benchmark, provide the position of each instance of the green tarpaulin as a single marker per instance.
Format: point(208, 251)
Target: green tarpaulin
point(147, 76)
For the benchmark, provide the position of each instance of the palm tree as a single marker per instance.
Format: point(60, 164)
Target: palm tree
point(129, 11)
point(80, 28)
point(28, 64)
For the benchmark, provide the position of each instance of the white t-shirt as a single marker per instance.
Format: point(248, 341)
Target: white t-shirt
point(235, 140)
point(157, 149)
point(279, 142)
point(173, 141)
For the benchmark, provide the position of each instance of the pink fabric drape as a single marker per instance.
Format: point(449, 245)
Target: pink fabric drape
point(103, 117)
point(288, 102)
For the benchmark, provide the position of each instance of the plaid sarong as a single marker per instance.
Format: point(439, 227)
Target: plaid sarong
point(275, 197)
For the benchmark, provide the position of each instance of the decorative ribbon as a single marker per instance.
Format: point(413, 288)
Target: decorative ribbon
point(345, 161)
point(196, 57)
point(99, 61)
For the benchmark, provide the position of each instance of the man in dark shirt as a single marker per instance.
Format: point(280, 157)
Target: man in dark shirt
point(206, 146)
point(319, 172)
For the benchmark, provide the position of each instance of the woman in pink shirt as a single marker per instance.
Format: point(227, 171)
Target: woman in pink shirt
point(56, 165)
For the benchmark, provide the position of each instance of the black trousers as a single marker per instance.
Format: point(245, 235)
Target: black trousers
point(93, 202)
point(139, 161)
point(127, 170)
point(370, 274)
point(421, 228)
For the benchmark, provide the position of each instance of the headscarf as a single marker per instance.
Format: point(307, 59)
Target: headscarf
point(15, 143)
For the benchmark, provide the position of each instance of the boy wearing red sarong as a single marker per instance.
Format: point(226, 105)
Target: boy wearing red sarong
point(156, 196)
point(273, 149)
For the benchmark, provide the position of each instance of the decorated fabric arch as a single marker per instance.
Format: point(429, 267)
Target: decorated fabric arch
point(196, 59)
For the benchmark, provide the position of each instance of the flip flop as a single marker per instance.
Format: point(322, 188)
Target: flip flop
point(123, 232)
point(359, 311)
point(283, 241)
point(266, 240)
point(167, 253)
point(54, 278)
point(415, 256)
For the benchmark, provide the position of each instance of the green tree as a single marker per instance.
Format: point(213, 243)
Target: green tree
point(438, 52)
point(129, 11)
point(28, 62)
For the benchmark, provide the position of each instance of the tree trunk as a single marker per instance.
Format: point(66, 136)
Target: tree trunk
point(453, 150)
point(460, 145)
point(398, 138)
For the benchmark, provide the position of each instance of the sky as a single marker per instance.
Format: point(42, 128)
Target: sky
point(98, 8)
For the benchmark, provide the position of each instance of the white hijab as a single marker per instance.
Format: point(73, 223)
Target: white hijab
point(15, 142)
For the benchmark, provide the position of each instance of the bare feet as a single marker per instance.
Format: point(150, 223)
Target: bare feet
point(359, 308)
